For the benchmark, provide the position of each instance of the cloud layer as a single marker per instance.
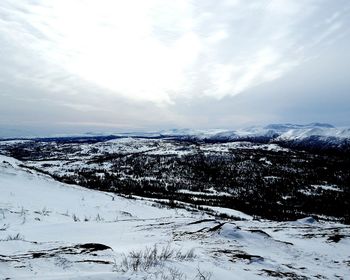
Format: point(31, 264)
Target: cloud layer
point(155, 56)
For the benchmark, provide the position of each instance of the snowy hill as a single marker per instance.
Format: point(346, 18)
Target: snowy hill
point(51, 230)
point(297, 134)
point(308, 136)
point(272, 131)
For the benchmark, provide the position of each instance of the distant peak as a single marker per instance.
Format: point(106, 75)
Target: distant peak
point(316, 124)
point(288, 126)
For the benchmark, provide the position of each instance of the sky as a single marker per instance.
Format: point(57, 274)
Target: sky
point(145, 65)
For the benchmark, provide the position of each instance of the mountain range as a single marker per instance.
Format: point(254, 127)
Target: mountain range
point(320, 136)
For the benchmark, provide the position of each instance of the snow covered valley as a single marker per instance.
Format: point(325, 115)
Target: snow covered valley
point(263, 180)
point(51, 230)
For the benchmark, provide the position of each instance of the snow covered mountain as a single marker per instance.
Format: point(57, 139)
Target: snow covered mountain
point(313, 135)
point(271, 131)
point(288, 126)
point(307, 136)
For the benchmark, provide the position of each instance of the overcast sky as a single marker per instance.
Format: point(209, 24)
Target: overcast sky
point(106, 65)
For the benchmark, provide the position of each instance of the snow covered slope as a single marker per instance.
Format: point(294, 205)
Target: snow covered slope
point(297, 134)
point(50, 230)
point(273, 131)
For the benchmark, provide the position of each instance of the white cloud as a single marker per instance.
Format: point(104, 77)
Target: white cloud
point(161, 50)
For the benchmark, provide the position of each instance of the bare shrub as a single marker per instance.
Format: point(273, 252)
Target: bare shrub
point(98, 218)
point(43, 212)
point(75, 218)
point(203, 275)
point(10, 237)
point(23, 212)
point(4, 227)
point(172, 274)
point(151, 257)
point(24, 219)
point(189, 255)
point(2, 212)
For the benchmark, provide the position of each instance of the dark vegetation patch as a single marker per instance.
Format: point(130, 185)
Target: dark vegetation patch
point(216, 228)
point(71, 250)
point(259, 231)
point(202, 221)
point(236, 255)
point(334, 234)
point(278, 185)
point(95, 261)
point(78, 249)
point(245, 256)
point(284, 275)
point(336, 237)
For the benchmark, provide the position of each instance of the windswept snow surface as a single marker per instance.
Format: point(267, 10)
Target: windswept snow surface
point(298, 134)
point(50, 230)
